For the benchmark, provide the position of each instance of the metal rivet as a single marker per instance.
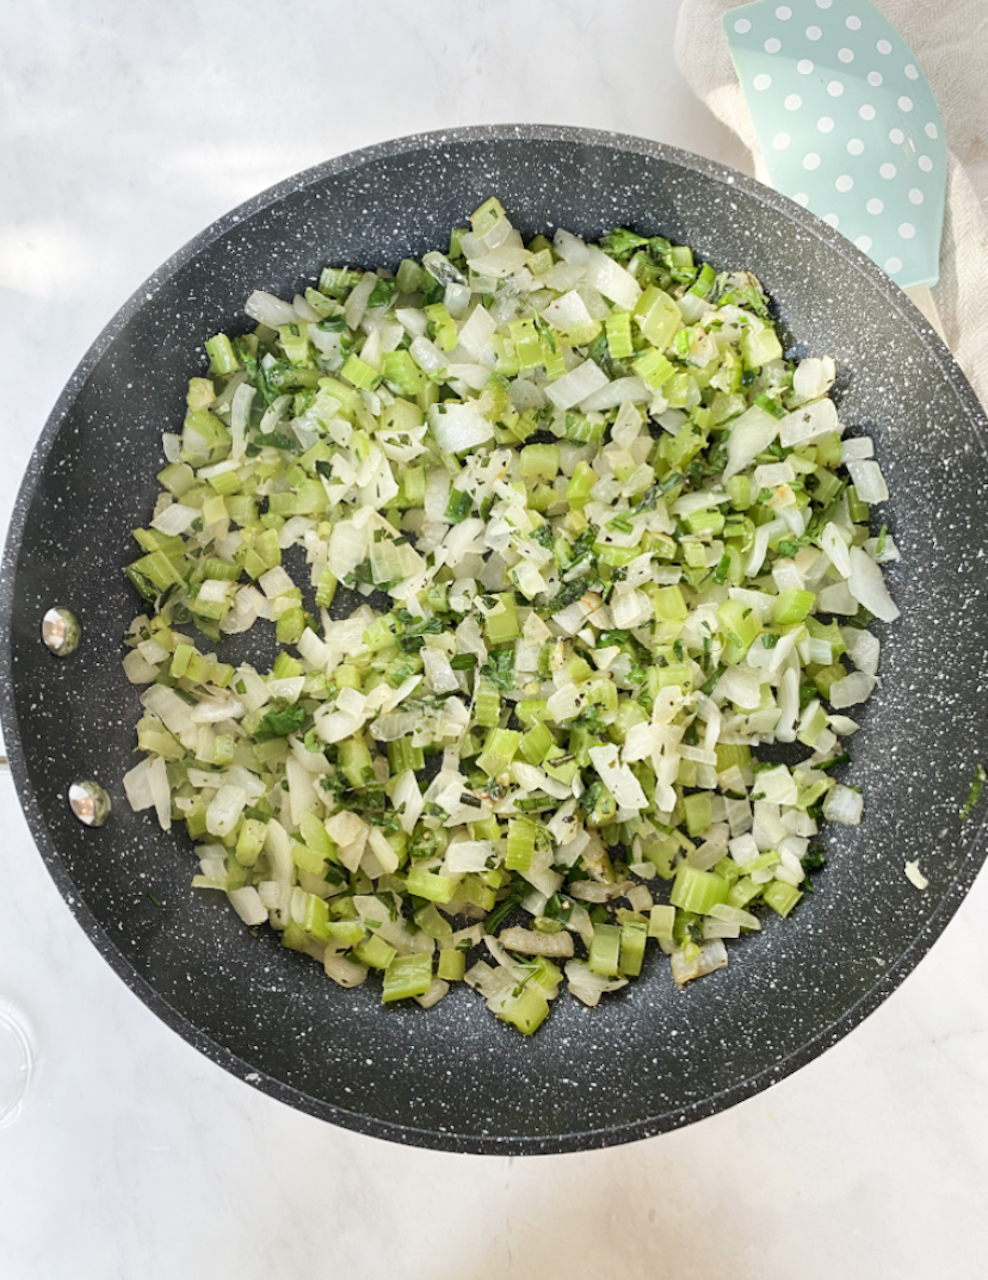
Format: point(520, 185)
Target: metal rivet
point(89, 802)
point(61, 631)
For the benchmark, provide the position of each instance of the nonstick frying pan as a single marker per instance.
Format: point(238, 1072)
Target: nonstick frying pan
point(650, 1058)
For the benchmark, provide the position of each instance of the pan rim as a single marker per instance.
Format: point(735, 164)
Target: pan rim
point(473, 1143)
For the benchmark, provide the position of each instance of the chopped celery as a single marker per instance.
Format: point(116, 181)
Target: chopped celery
point(576, 625)
point(407, 976)
point(605, 950)
point(697, 891)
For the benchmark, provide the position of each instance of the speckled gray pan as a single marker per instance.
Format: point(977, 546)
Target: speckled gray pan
point(651, 1058)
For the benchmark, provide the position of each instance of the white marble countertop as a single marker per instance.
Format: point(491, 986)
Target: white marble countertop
point(124, 130)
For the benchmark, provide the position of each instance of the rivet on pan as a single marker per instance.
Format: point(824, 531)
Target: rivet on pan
point(61, 631)
point(89, 802)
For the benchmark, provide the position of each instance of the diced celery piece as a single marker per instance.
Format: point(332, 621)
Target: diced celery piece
point(540, 461)
point(662, 917)
point(605, 950)
point(633, 937)
point(433, 922)
point(375, 953)
point(792, 605)
point(697, 891)
point(452, 964)
point(759, 348)
point(430, 885)
point(740, 626)
point(520, 845)
point(781, 897)
point(658, 316)
point(499, 750)
point(501, 625)
point(526, 1010)
point(407, 976)
point(698, 809)
point(617, 326)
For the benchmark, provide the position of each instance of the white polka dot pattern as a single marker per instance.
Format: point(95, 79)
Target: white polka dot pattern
point(862, 145)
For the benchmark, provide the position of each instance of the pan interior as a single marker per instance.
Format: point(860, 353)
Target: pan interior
point(651, 1057)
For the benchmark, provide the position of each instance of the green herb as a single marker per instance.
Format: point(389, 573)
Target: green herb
point(975, 793)
point(382, 293)
point(504, 908)
point(280, 723)
point(500, 669)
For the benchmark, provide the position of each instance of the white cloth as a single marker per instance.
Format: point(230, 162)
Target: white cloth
point(950, 41)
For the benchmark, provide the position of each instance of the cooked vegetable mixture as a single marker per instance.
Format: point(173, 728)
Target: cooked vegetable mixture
point(610, 543)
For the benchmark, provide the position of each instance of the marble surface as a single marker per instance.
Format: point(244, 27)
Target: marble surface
point(124, 130)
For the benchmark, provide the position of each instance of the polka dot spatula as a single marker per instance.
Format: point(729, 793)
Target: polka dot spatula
point(848, 127)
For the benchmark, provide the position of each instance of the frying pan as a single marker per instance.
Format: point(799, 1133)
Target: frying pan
point(650, 1058)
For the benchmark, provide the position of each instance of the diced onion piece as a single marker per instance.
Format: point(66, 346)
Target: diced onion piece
point(867, 584)
point(750, 434)
point(247, 903)
point(813, 378)
point(457, 427)
point(855, 688)
point(612, 280)
point(265, 308)
point(530, 943)
point(588, 986)
point(576, 385)
point(869, 483)
point(808, 422)
point(710, 957)
point(844, 805)
point(915, 876)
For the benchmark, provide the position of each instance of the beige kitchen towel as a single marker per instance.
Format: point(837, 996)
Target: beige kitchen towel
point(950, 41)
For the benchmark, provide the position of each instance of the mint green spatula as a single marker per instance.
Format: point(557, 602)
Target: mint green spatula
point(849, 128)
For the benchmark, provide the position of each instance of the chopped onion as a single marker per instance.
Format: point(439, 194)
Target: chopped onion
point(265, 308)
point(867, 585)
point(586, 606)
point(577, 385)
